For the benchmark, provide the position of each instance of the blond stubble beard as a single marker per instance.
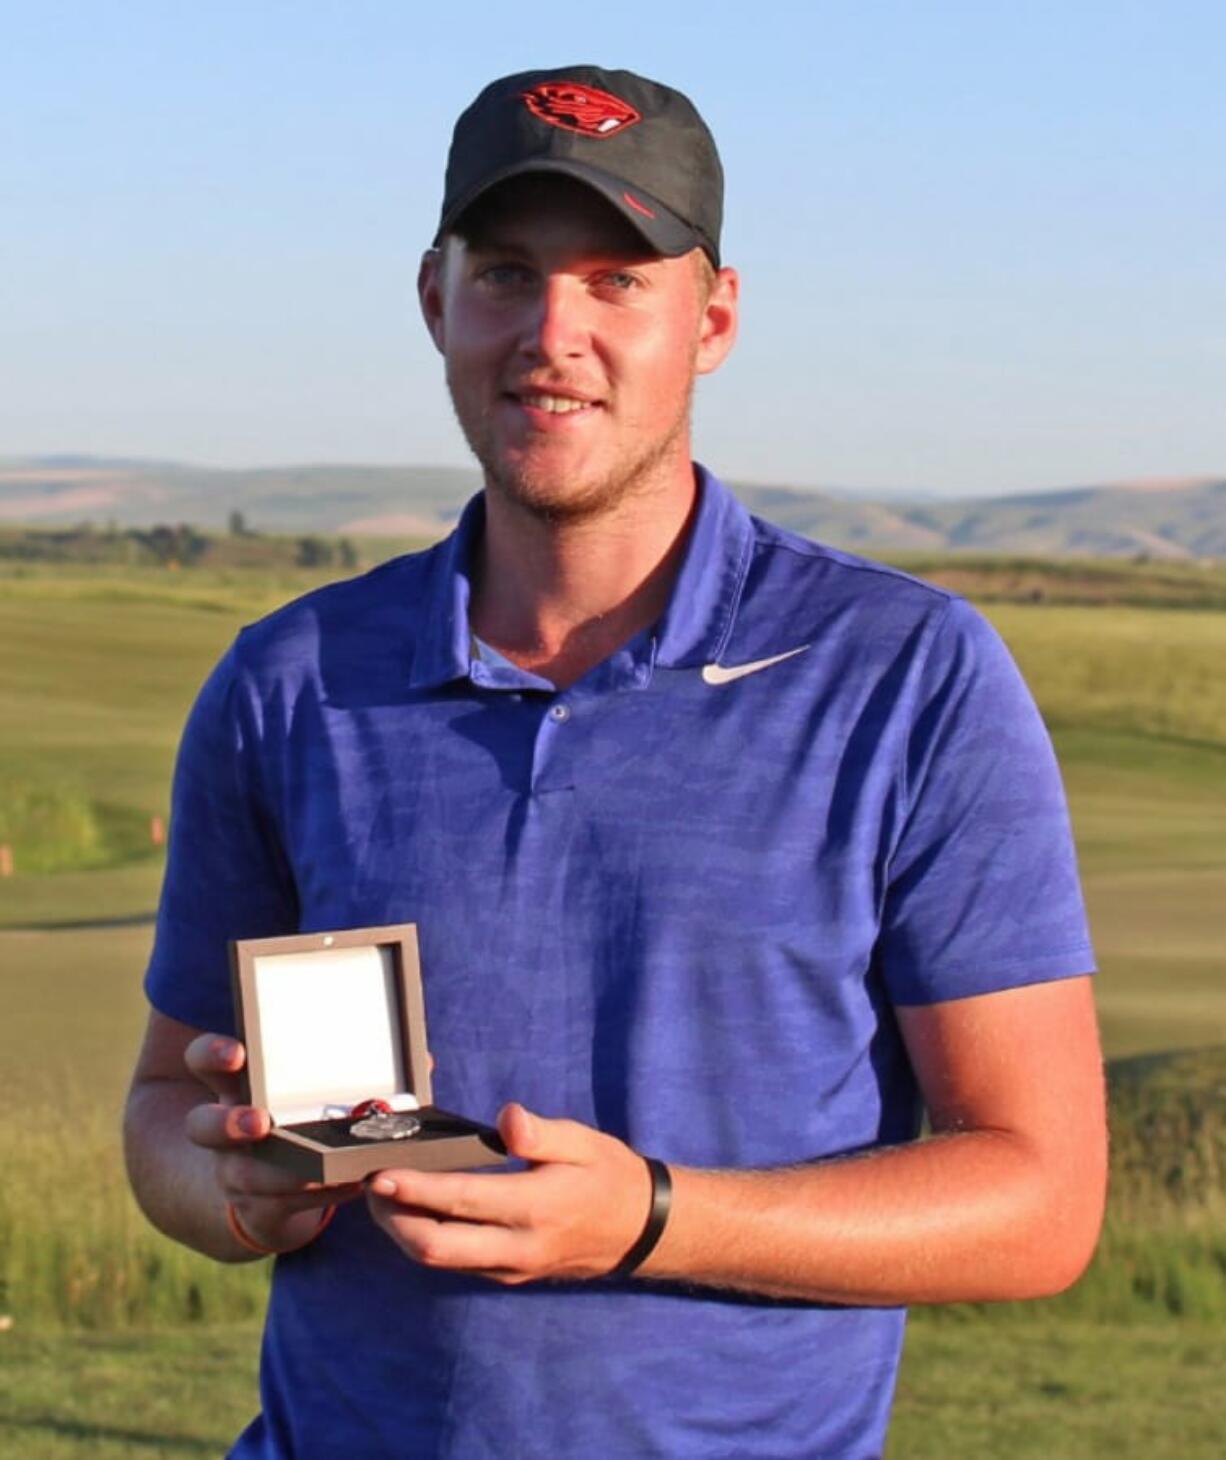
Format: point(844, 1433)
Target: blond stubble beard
point(592, 500)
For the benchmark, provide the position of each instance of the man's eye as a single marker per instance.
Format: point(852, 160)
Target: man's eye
point(620, 279)
point(505, 276)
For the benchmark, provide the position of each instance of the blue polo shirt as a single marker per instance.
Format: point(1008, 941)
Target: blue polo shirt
point(678, 901)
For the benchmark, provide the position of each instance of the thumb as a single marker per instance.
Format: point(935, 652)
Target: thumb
point(534, 1138)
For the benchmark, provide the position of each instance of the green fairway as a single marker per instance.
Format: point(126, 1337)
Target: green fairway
point(96, 679)
point(1154, 672)
point(98, 672)
point(96, 675)
point(71, 1011)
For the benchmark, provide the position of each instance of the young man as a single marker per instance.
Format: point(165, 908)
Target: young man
point(726, 850)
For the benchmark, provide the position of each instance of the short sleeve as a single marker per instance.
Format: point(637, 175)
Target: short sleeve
point(225, 874)
point(982, 887)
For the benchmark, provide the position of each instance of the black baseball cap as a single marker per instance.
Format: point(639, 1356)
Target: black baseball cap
point(639, 144)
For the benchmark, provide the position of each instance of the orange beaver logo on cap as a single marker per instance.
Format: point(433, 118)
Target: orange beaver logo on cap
point(578, 108)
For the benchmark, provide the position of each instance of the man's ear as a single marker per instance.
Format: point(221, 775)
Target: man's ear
point(717, 331)
point(430, 294)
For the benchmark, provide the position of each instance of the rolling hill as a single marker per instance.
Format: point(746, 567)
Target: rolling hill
point(1156, 519)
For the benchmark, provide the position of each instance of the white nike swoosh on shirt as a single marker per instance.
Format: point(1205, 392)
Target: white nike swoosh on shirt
point(721, 674)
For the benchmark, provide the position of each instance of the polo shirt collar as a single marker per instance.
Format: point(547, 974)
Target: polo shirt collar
point(695, 626)
point(443, 650)
point(702, 607)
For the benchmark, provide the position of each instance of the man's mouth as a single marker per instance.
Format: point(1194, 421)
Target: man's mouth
point(557, 405)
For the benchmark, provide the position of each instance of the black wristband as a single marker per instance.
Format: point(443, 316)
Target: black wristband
point(657, 1216)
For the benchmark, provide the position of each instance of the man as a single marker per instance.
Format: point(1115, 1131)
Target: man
point(725, 850)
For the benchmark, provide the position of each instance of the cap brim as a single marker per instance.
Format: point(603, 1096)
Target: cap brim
point(663, 231)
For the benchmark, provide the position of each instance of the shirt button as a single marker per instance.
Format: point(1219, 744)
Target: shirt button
point(559, 714)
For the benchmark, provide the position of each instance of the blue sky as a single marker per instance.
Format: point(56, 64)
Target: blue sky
point(983, 246)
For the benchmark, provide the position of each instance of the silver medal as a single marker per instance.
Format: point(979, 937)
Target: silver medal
point(385, 1126)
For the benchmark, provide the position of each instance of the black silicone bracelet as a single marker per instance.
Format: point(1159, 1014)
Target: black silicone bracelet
point(657, 1216)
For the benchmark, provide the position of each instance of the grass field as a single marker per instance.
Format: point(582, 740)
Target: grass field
point(1059, 1390)
point(1055, 1391)
point(96, 675)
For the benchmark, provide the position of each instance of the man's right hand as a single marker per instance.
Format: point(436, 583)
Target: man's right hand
point(275, 1208)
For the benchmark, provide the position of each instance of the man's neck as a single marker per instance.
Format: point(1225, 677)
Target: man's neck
point(558, 597)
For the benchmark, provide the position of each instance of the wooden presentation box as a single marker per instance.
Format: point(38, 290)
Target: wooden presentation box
point(329, 1020)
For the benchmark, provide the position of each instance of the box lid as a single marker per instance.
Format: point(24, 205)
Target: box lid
point(332, 1018)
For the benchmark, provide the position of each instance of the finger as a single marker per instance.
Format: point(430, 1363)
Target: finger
point(216, 1061)
point(534, 1138)
point(458, 1246)
point(221, 1127)
point(240, 1175)
point(503, 1200)
point(251, 1192)
point(275, 1222)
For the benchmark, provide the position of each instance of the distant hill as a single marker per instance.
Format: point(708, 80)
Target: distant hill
point(1185, 519)
point(372, 500)
point(1157, 519)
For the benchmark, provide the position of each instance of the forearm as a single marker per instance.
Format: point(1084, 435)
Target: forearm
point(1005, 1202)
point(962, 1217)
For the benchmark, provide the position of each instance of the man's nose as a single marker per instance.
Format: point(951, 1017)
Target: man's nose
point(558, 326)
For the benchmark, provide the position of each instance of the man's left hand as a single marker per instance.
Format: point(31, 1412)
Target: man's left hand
point(574, 1213)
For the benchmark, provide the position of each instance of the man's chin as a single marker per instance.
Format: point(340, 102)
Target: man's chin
point(568, 486)
point(555, 490)
point(553, 500)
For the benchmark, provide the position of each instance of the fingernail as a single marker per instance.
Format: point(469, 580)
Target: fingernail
point(221, 1050)
point(383, 1186)
point(251, 1123)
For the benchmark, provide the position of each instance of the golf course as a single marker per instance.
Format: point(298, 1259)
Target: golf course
point(116, 1343)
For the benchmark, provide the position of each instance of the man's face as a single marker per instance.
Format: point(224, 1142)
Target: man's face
point(570, 350)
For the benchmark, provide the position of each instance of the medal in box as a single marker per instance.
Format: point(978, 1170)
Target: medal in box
point(335, 1031)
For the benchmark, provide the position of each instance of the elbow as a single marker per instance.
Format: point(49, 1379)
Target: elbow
point(1044, 1217)
point(1064, 1263)
point(1077, 1250)
point(1063, 1234)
